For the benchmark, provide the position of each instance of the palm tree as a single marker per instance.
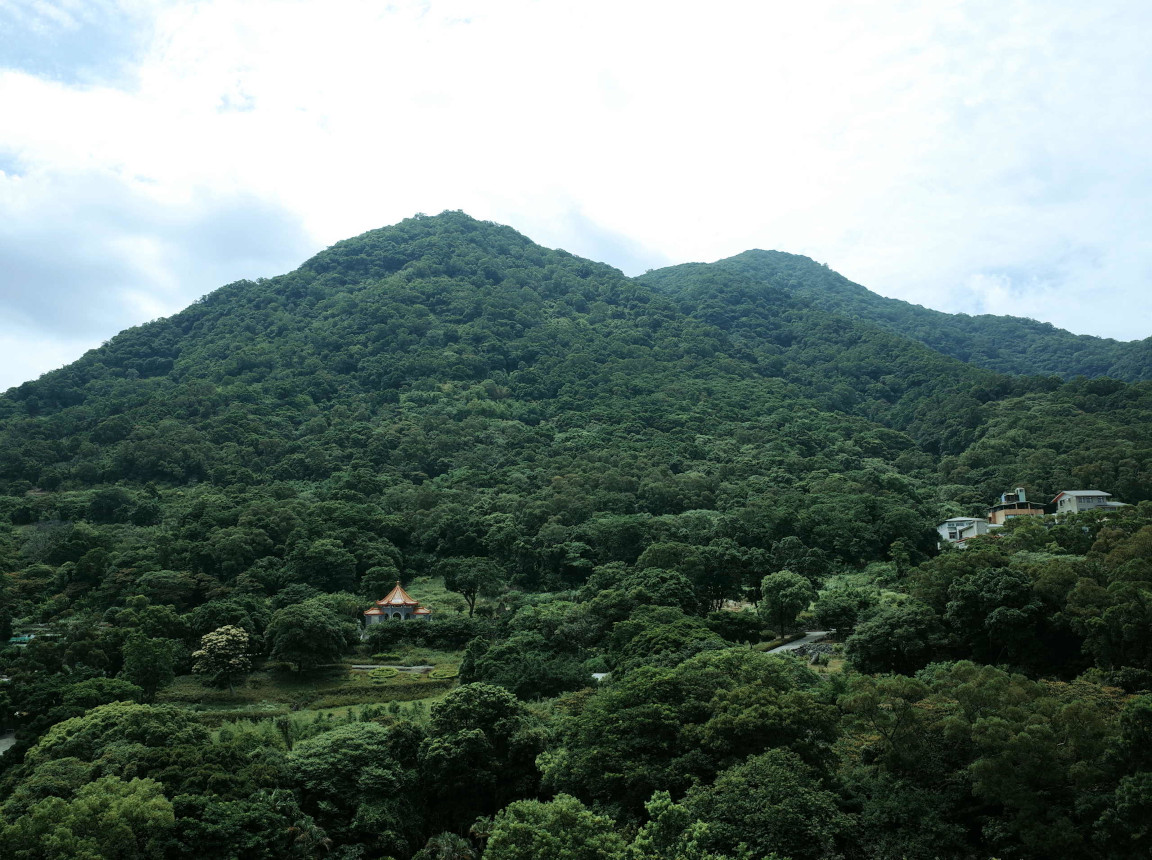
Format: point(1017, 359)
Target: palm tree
point(446, 846)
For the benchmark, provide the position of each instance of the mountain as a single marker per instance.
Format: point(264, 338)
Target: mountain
point(445, 387)
point(194, 517)
point(1000, 343)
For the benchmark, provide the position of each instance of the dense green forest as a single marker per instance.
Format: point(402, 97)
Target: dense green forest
point(1004, 344)
point(651, 479)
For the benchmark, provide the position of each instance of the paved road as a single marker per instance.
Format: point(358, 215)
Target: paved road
point(7, 741)
point(814, 636)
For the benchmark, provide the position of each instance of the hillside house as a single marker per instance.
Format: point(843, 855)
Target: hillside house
point(1013, 505)
point(959, 529)
point(1077, 501)
point(397, 605)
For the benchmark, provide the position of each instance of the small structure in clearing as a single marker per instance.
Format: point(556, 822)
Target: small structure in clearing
point(398, 605)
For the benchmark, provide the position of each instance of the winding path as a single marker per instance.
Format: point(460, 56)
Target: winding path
point(808, 639)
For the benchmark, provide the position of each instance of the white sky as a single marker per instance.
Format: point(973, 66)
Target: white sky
point(969, 156)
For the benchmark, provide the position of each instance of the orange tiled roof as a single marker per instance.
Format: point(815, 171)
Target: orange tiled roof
point(397, 597)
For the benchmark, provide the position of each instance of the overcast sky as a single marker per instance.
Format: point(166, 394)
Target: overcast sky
point(986, 157)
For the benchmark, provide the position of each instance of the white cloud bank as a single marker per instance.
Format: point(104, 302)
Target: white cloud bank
point(975, 156)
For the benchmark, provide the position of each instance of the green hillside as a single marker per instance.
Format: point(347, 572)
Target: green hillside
point(650, 480)
point(1004, 344)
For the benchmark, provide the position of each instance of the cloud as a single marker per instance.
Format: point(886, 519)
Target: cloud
point(578, 234)
point(87, 255)
point(960, 155)
point(81, 42)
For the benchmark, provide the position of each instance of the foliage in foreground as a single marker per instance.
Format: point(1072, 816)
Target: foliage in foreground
point(601, 470)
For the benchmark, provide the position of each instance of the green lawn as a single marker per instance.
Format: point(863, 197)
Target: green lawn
point(275, 690)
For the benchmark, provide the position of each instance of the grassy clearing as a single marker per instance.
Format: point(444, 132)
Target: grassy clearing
point(275, 691)
point(874, 579)
point(835, 666)
point(409, 655)
point(287, 729)
point(432, 594)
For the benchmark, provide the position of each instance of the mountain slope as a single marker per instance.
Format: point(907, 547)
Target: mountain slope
point(1004, 344)
point(445, 387)
point(473, 394)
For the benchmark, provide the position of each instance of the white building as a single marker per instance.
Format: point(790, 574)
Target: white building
point(959, 529)
point(1076, 501)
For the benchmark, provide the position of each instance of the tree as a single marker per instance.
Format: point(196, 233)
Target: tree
point(839, 608)
point(665, 729)
point(783, 596)
point(1123, 828)
point(58, 778)
point(267, 825)
point(100, 691)
point(525, 664)
point(117, 725)
point(1116, 622)
point(682, 558)
point(158, 622)
point(361, 783)
point(659, 636)
point(480, 753)
point(736, 627)
point(995, 612)
point(901, 556)
point(246, 611)
point(790, 553)
point(650, 586)
point(378, 580)
point(445, 846)
point(561, 829)
point(772, 802)
point(325, 564)
point(223, 655)
point(149, 663)
point(727, 567)
point(900, 638)
point(471, 577)
point(106, 818)
point(307, 635)
point(673, 833)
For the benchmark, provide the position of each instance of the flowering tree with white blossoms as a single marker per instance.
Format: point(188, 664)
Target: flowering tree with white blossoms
point(223, 654)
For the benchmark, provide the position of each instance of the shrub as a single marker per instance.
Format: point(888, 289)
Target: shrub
point(383, 674)
point(738, 626)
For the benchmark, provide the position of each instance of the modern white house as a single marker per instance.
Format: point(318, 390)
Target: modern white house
point(959, 529)
point(1077, 501)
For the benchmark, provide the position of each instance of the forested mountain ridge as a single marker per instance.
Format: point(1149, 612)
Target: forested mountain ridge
point(1004, 344)
point(457, 362)
point(450, 356)
point(584, 474)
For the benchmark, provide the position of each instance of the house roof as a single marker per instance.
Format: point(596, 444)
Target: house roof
point(397, 597)
point(1081, 493)
point(965, 520)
